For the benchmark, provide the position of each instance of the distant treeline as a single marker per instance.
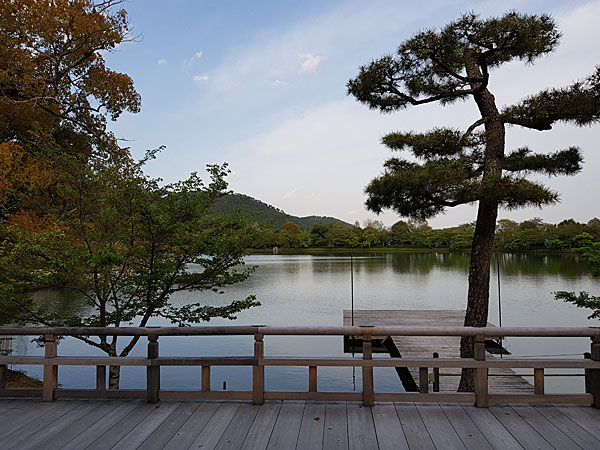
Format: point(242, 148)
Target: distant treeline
point(530, 235)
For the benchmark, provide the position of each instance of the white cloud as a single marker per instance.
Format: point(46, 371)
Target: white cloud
point(276, 83)
point(161, 62)
point(291, 195)
point(204, 77)
point(341, 33)
point(310, 62)
point(189, 61)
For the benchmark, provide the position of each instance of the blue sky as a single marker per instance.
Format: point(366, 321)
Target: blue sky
point(261, 85)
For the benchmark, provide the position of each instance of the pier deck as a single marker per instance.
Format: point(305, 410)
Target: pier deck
point(209, 425)
point(501, 380)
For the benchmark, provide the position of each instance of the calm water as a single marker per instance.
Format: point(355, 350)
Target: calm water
point(313, 289)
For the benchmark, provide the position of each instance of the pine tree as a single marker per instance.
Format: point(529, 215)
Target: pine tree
point(458, 167)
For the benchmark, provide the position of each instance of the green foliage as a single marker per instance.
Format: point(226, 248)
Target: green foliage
point(590, 253)
point(583, 300)
point(126, 244)
point(263, 214)
point(431, 65)
point(453, 63)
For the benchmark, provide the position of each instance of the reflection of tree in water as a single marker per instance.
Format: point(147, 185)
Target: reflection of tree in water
point(564, 266)
point(424, 263)
point(60, 301)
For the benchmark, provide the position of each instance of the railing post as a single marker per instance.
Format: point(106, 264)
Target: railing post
point(436, 375)
point(312, 378)
point(587, 355)
point(367, 371)
point(423, 380)
point(258, 371)
point(152, 372)
point(2, 376)
point(50, 371)
point(206, 378)
point(100, 378)
point(481, 375)
point(593, 375)
point(538, 381)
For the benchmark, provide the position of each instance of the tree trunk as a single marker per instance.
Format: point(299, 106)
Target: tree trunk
point(114, 376)
point(114, 372)
point(485, 227)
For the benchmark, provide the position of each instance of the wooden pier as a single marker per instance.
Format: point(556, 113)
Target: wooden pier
point(500, 380)
point(291, 425)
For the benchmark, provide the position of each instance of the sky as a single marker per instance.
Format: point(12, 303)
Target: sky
point(262, 86)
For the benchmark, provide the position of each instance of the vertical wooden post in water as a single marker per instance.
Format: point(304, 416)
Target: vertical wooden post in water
point(593, 375)
point(258, 371)
point(367, 371)
point(50, 371)
point(481, 375)
point(152, 372)
point(100, 378)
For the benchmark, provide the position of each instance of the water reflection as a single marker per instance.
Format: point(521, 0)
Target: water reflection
point(314, 289)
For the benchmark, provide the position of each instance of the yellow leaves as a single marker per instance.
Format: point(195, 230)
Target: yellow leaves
point(33, 223)
point(20, 171)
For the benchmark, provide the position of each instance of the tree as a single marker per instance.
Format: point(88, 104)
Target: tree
point(458, 167)
point(590, 253)
point(56, 93)
point(125, 245)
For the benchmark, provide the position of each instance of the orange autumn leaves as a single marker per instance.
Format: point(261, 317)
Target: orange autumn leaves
point(56, 93)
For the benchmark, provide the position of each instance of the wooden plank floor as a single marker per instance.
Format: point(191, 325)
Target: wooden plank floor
point(446, 346)
point(117, 424)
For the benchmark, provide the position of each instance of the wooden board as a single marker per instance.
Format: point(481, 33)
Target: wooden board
point(445, 346)
point(292, 425)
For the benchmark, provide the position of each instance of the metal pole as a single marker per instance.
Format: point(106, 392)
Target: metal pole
point(352, 285)
point(499, 302)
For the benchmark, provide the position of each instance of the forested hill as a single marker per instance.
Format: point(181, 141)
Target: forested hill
point(265, 214)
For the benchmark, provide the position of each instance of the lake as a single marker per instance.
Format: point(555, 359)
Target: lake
point(314, 287)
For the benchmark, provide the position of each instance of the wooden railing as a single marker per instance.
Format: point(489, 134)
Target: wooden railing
point(153, 362)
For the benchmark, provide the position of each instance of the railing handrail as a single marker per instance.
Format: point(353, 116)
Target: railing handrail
point(153, 362)
point(307, 331)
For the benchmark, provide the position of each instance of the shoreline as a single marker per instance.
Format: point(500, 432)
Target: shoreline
point(16, 379)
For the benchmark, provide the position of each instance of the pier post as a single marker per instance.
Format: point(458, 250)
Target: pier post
point(593, 375)
point(152, 372)
point(258, 371)
point(50, 371)
point(423, 380)
point(481, 375)
point(367, 371)
point(312, 378)
point(206, 378)
point(436, 375)
point(538, 381)
point(100, 378)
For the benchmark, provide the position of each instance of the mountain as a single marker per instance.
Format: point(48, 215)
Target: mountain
point(264, 213)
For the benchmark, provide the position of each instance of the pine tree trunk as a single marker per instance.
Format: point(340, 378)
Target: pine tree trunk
point(485, 227)
point(114, 376)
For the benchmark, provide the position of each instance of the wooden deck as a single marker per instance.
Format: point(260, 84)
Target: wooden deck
point(500, 380)
point(79, 425)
